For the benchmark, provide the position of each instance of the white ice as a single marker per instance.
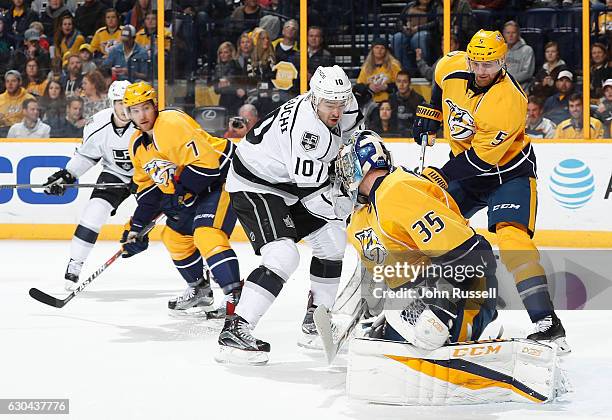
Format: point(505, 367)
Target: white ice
point(116, 354)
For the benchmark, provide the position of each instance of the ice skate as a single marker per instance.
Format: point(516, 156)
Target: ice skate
point(73, 270)
point(549, 329)
point(237, 344)
point(196, 300)
point(309, 337)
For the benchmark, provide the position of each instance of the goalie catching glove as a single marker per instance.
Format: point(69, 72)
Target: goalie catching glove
point(55, 184)
point(427, 121)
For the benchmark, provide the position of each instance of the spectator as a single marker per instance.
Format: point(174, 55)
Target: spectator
point(286, 48)
point(488, 4)
point(384, 122)
point(227, 71)
point(404, 103)
point(245, 18)
point(94, 94)
point(463, 23)
point(604, 20)
point(556, 107)
point(415, 32)
point(67, 38)
point(31, 126)
point(600, 71)
point(43, 41)
point(128, 60)
point(537, 125)
point(35, 82)
point(107, 36)
point(56, 71)
point(19, 17)
point(53, 102)
point(572, 127)
point(425, 69)
point(7, 44)
point(51, 16)
point(239, 126)
point(71, 126)
point(262, 58)
point(31, 49)
point(72, 78)
point(245, 51)
point(379, 71)
point(11, 101)
point(317, 55)
point(272, 24)
point(86, 56)
point(520, 59)
point(604, 108)
point(148, 34)
point(89, 16)
point(136, 16)
point(544, 82)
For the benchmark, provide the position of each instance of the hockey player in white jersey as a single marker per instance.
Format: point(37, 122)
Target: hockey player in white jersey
point(281, 192)
point(105, 138)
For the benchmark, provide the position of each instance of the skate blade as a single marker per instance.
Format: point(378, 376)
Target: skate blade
point(70, 286)
point(310, 341)
point(193, 312)
point(231, 355)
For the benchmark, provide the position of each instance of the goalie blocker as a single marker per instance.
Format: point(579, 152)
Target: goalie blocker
point(476, 372)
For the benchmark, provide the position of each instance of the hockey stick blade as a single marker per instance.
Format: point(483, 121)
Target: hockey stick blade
point(325, 327)
point(59, 303)
point(99, 186)
point(45, 298)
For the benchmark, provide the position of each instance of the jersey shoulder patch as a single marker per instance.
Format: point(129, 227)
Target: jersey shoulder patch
point(310, 141)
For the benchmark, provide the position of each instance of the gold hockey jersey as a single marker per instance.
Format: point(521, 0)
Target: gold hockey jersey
point(485, 126)
point(178, 149)
point(409, 219)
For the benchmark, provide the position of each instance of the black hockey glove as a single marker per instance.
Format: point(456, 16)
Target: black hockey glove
point(428, 121)
point(55, 183)
point(174, 204)
point(130, 242)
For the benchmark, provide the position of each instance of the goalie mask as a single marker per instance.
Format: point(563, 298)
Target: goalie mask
point(365, 151)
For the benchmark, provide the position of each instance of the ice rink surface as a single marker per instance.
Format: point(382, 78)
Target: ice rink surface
point(116, 353)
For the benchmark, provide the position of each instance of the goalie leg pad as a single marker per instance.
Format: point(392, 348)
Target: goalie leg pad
point(429, 332)
point(481, 372)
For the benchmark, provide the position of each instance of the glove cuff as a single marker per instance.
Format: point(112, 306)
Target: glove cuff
point(429, 112)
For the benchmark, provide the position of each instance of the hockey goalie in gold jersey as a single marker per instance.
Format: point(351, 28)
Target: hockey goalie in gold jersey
point(493, 164)
point(415, 351)
point(180, 170)
point(406, 219)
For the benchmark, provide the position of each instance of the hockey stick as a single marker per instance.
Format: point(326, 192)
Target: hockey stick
point(424, 140)
point(60, 303)
point(335, 326)
point(101, 186)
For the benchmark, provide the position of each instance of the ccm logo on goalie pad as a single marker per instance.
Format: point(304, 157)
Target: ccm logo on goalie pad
point(310, 141)
point(476, 351)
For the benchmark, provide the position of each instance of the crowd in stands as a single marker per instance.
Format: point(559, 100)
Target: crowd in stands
point(58, 58)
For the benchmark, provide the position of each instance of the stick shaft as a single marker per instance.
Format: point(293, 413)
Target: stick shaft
point(424, 140)
point(30, 186)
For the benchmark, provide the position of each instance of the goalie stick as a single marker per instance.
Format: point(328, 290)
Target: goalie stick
point(47, 299)
point(100, 186)
point(335, 326)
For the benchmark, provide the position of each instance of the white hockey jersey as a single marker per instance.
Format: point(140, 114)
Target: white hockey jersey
point(103, 141)
point(289, 152)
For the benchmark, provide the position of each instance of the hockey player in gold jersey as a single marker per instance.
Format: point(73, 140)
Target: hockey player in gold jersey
point(180, 170)
point(493, 164)
point(405, 218)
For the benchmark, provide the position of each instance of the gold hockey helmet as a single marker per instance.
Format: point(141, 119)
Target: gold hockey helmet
point(138, 93)
point(487, 46)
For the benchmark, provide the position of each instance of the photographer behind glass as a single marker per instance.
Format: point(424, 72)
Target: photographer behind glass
point(240, 125)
